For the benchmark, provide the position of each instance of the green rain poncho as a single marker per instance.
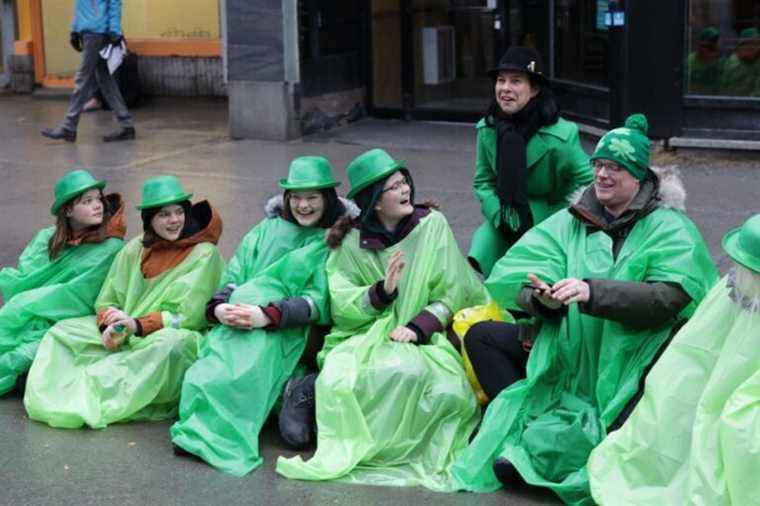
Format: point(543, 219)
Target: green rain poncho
point(582, 370)
point(229, 392)
point(75, 381)
point(392, 413)
point(693, 438)
point(38, 293)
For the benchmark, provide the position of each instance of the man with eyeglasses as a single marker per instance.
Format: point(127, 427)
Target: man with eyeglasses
point(607, 283)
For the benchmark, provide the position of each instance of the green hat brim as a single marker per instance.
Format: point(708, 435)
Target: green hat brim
point(730, 244)
point(74, 193)
point(306, 187)
point(164, 202)
point(398, 164)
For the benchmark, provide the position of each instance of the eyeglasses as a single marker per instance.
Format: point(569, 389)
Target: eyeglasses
point(397, 185)
point(608, 166)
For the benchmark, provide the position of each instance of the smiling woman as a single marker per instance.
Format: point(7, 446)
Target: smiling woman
point(529, 159)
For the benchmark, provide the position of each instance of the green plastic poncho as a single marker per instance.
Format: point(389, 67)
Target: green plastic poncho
point(392, 413)
point(694, 436)
point(582, 370)
point(38, 293)
point(75, 381)
point(229, 392)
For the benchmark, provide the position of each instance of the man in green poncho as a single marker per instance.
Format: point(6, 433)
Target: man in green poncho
point(693, 437)
point(393, 404)
point(127, 362)
point(274, 293)
point(741, 73)
point(704, 65)
point(60, 272)
point(607, 281)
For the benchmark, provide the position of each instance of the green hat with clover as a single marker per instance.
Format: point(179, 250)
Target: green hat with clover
point(628, 146)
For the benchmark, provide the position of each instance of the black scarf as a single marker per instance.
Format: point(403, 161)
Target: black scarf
point(513, 132)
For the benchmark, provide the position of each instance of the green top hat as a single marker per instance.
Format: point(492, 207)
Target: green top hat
point(749, 33)
point(309, 173)
point(743, 244)
point(72, 185)
point(370, 167)
point(161, 191)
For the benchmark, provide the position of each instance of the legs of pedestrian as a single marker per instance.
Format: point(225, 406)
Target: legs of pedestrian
point(112, 95)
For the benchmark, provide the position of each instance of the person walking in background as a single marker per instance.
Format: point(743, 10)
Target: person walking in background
point(97, 23)
point(705, 64)
point(529, 159)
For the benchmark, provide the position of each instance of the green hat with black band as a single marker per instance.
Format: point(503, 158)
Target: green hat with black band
point(162, 191)
point(628, 146)
point(72, 185)
point(309, 173)
point(370, 167)
point(743, 244)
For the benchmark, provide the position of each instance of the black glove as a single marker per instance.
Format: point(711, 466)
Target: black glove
point(114, 39)
point(75, 39)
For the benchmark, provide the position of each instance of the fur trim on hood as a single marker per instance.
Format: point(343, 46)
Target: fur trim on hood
point(671, 193)
point(274, 207)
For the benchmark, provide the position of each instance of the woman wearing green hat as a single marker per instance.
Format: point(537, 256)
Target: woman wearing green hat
point(393, 403)
point(741, 72)
point(127, 361)
point(529, 159)
point(693, 439)
point(60, 271)
point(608, 282)
point(272, 302)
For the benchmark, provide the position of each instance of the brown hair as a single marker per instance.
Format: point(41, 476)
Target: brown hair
point(338, 232)
point(63, 231)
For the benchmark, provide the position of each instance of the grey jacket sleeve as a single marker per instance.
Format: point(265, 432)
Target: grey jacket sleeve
point(531, 305)
point(296, 311)
point(636, 304)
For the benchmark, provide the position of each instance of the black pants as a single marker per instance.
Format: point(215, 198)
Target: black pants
point(496, 355)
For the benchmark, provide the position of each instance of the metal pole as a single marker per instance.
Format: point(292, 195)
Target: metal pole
point(8, 32)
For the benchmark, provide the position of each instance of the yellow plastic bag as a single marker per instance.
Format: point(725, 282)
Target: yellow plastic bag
point(465, 319)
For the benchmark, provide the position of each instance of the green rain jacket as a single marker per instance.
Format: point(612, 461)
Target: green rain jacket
point(229, 392)
point(393, 413)
point(75, 381)
point(693, 437)
point(582, 370)
point(557, 166)
point(39, 293)
point(740, 78)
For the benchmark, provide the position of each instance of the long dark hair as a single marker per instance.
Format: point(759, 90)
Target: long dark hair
point(150, 236)
point(63, 231)
point(545, 102)
point(334, 208)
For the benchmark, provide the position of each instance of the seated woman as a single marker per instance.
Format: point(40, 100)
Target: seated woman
point(694, 436)
point(274, 296)
point(393, 403)
point(127, 362)
point(608, 281)
point(529, 159)
point(60, 271)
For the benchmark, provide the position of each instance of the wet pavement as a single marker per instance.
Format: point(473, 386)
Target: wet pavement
point(134, 464)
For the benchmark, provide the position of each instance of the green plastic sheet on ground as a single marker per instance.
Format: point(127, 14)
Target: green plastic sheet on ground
point(38, 293)
point(695, 436)
point(229, 392)
point(391, 413)
point(582, 370)
point(75, 381)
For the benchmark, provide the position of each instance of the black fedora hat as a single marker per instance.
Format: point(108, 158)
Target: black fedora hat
point(521, 59)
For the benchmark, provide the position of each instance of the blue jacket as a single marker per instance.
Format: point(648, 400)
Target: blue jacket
point(97, 16)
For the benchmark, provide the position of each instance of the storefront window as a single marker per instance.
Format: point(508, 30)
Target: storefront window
point(723, 48)
point(581, 45)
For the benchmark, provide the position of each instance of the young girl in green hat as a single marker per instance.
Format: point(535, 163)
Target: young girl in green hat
point(693, 438)
point(393, 404)
point(273, 300)
point(60, 271)
point(127, 361)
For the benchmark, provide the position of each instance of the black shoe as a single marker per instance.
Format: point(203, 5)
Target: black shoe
point(181, 452)
point(59, 133)
point(297, 414)
point(506, 473)
point(124, 134)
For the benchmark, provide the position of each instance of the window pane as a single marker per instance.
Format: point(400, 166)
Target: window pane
point(723, 48)
point(581, 45)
